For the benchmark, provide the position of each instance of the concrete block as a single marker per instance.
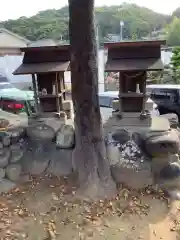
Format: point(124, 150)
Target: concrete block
point(115, 105)
point(67, 105)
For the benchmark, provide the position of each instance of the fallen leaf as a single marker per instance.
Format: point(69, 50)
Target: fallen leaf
point(55, 197)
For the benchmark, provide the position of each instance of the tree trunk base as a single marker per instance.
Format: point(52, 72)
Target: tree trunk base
point(96, 189)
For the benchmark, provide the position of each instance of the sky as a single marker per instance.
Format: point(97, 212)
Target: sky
point(14, 9)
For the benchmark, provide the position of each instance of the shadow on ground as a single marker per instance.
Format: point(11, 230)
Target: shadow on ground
point(45, 208)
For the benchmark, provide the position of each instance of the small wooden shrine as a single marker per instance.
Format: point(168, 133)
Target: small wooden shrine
point(132, 60)
point(47, 65)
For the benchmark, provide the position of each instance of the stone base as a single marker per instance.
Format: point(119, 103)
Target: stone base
point(132, 122)
point(62, 116)
point(148, 105)
point(132, 119)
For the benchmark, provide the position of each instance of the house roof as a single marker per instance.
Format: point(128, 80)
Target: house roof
point(15, 35)
point(42, 43)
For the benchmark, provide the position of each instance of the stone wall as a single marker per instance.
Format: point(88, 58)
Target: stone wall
point(33, 150)
point(137, 158)
point(145, 158)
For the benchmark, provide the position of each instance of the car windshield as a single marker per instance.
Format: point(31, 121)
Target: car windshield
point(5, 86)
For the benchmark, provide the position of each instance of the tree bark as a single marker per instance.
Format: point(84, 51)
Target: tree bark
point(89, 156)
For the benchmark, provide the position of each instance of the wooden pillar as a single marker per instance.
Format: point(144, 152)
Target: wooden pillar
point(57, 94)
point(120, 95)
point(64, 87)
point(61, 90)
point(36, 98)
point(143, 113)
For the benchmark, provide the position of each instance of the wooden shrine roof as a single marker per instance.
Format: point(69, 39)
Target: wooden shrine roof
point(152, 43)
point(150, 64)
point(47, 67)
point(129, 56)
point(44, 59)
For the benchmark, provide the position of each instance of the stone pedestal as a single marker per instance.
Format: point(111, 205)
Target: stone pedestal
point(133, 123)
point(148, 105)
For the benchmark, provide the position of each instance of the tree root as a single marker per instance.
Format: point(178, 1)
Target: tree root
point(95, 189)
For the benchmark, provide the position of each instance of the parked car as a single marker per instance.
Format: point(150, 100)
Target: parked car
point(15, 100)
point(166, 96)
point(106, 99)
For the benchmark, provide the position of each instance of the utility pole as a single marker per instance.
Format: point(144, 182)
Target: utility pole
point(97, 35)
point(121, 30)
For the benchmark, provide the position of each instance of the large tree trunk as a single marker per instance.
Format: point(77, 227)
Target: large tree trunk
point(90, 154)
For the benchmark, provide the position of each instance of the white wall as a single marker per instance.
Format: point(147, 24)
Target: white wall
point(8, 40)
point(166, 57)
point(8, 64)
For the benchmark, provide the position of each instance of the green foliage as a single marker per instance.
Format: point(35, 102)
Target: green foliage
point(173, 36)
point(175, 63)
point(134, 36)
point(139, 22)
point(176, 13)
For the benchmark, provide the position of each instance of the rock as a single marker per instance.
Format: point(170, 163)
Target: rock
point(13, 171)
point(4, 157)
point(128, 164)
point(65, 137)
point(40, 131)
point(113, 153)
point(4, 123)
point(160, 162)
point(120, 136)
point(170, 171)
point(117, 151)
point(136, 137)
point(37, 157)
point(35, 162)
point(114, 142)
point(159, 144)
point(61, 163)
point(132, 177)
point(6, 185)
point(16, 154)
point(174, 158)
point(168, 178)
point(16, 133)
point(2, 173)
point(172, 118)
point(6, 141)
point(36, 167)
